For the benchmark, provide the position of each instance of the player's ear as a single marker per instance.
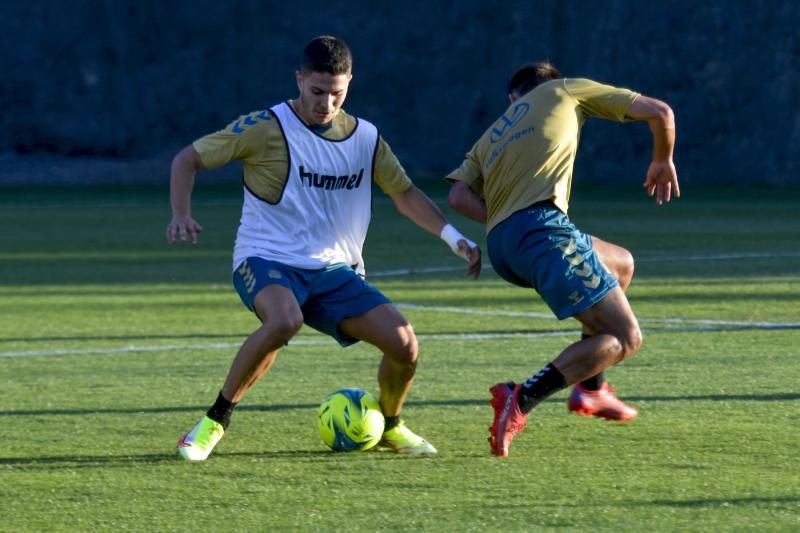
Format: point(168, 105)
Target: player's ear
point(298, 76)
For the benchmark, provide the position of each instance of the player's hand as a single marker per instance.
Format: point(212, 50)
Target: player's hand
point(473, 257)
point(183, 228)
point(662, 181)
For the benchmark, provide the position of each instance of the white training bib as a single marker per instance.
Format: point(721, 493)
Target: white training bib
point(321, 218)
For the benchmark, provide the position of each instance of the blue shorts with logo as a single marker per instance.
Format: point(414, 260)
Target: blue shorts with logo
point(539, 247)
point(326, 296)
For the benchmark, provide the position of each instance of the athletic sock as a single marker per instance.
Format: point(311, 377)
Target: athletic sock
point(391, 422)
point(221, 411)
point(539, 386)
point(594, 382)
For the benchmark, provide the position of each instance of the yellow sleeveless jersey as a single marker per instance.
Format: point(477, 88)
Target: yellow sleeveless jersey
point(528, 154)
point(257, 140)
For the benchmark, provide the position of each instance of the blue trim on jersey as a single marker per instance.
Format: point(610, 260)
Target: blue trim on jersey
point(248, 121)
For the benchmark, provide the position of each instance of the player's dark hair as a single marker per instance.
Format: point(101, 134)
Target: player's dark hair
point(527, 77)
point(327, 54)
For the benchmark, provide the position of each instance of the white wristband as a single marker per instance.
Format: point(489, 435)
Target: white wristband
point(451, 236)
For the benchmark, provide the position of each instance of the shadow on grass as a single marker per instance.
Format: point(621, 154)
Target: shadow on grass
point(80, 461)
point(723, 502)
point(692, 504)
point(780, 397)
point(54, 462)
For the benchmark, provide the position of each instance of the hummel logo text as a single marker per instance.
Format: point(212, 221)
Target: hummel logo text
point(330, 183)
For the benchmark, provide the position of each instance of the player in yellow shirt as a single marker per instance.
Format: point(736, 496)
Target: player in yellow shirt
point(517, 180)
point(308, 174)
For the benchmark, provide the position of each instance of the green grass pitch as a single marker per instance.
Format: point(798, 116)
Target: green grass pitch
point(112, 344)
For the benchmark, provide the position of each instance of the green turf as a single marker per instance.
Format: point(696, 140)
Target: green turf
point(112, 344)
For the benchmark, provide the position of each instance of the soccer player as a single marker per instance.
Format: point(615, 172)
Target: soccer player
point(308, 174)
point(516, 179)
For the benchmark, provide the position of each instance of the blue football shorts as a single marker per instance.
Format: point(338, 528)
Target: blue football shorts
point(539, 247)
point(326, 296)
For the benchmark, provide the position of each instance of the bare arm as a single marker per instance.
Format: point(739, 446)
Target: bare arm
point(662, 178)
point(421, 210)
point(415, 205)
point(464, 201)
point(182, 174)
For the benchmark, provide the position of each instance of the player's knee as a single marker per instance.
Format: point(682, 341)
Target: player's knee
point(627, 266)
point(282, 329)
point(405, 347)
point(630, 341)
point(623, 268)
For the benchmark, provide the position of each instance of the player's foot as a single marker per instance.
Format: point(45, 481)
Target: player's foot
point(602, 403)
point(508, 419)
point(403, 440)
point(198, 443)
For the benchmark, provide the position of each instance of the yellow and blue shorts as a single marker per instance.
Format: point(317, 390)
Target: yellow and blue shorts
point(540, 247)
point(326, 296)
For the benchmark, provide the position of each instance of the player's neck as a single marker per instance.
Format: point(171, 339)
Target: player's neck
point(319, 128)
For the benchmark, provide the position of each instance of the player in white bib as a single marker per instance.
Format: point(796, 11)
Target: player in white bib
point(308, 174)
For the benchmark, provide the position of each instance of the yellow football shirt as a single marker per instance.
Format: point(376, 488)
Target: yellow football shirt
point(256, 139)
point(528, 154)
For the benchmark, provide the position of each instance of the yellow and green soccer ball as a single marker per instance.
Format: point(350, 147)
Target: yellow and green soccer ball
point(350, 420)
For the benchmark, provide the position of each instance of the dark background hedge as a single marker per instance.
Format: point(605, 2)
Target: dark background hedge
point(107, 91)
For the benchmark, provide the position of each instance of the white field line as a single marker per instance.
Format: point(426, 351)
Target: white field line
point(719, 257)
point(421, 270)
point(655, 259)
point(122, 349)
point(702, 326)
point(533, 314)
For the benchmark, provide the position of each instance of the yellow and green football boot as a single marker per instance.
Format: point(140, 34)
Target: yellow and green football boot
point(403, 440)
point(198, 443)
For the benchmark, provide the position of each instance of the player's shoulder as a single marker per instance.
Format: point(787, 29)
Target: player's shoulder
point(580, 86)
point(262, 121)
point(344, 125)
point(350, 122)
point(579, 82)
point(253, 133)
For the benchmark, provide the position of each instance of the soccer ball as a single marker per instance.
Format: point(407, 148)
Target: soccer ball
point(350, 420)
